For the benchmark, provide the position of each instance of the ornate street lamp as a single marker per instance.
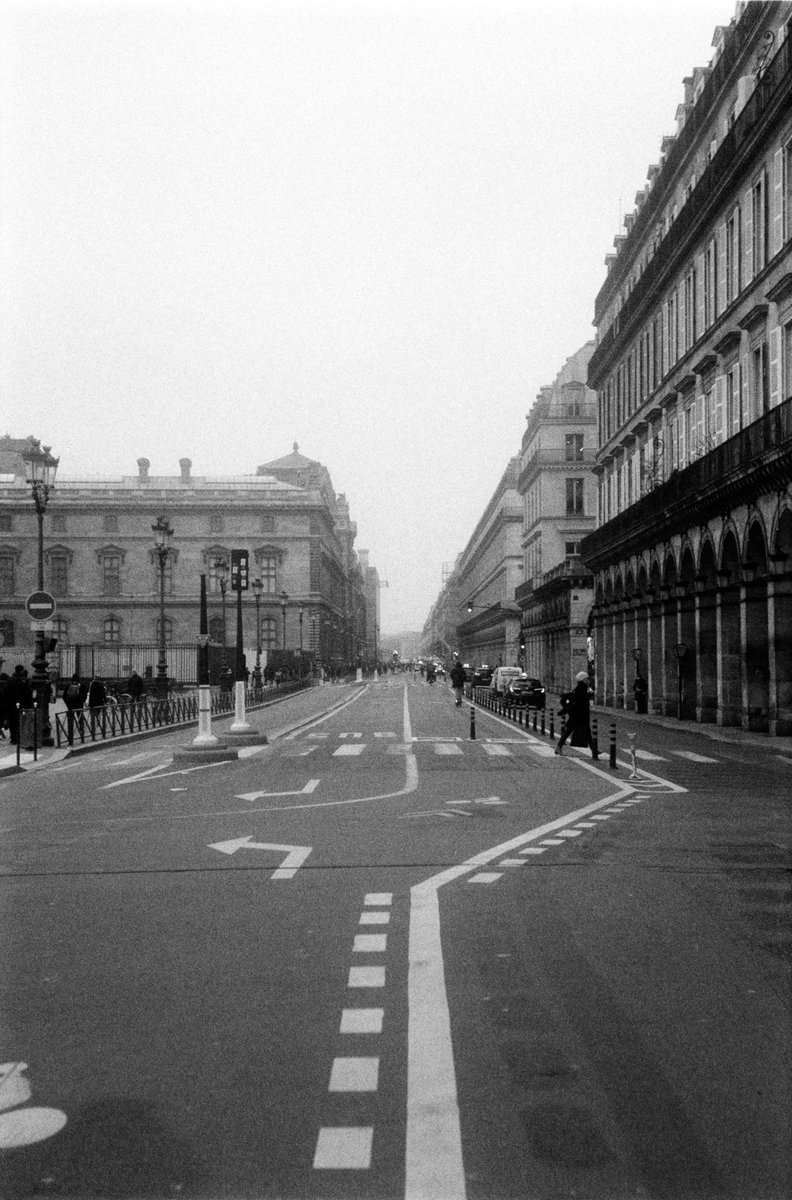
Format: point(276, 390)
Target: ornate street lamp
point(40, 471)
point(162, 536)
point(258, 588)
point(284, 599)
point(221, 575)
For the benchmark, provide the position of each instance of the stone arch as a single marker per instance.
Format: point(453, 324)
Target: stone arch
point(782, 535)
point(756, 545)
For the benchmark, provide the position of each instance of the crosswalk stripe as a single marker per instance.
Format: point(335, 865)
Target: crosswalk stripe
point(688, 754)
point(349, 750)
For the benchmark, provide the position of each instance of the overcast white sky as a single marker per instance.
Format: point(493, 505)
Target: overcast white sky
point(374, 229)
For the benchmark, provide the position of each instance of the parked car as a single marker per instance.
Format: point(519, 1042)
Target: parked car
point(482, 676)
point(527, 691)
point(502, 678)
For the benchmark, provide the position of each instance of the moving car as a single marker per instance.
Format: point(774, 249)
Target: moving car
point(482, 676)
point(527, 691)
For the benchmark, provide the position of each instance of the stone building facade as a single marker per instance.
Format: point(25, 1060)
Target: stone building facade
point(487, 573)
point(101, 565)
point(693, 373)
point(559, 507)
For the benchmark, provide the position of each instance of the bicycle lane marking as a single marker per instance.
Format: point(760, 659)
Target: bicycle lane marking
point(433, 1154)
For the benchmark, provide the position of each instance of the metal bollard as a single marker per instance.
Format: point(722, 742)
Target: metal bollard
point(543, 721)
point(552, 726)
point(534, 721)
point(612, 763)
point(594, 734)
point(472, 723)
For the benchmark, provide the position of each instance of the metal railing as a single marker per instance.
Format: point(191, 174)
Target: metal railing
point(114, 720)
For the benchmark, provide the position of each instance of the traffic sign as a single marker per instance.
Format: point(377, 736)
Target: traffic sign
point(40, 606)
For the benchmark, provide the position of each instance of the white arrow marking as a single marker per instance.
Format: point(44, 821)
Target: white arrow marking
point(295, 856)
point(14, 1088)
point(310, 786)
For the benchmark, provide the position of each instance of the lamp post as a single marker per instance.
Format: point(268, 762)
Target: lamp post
point(221, 574)
point(301, 629)
point(258, 587)
point(41, 468)
point(162, 536)
point(284, 600)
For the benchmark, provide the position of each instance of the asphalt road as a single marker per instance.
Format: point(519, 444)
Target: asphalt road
point(378, 959)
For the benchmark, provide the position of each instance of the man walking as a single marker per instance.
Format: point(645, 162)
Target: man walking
point(578, 725)
point(458, 681)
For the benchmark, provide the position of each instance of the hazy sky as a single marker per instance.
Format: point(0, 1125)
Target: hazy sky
point(374, 229)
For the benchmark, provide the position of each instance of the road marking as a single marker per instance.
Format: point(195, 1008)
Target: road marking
point(446, 748)
point(350, 735)
point(370, 943)
point(295, 856)
point(366, 977)
point(23, 1126)
point(532, 850)
point(496, 749)
point(485, 877)
point(349, 749)
point(310, 786)
point(649, 757)
point(585, 825)
point(374, 918)
point(344, 1149)
point(512, 862)
point(165, 774)
point(570, 833)
point(599, 817)
point(688, 754)
point(384, 735)
point(354, 1075)
point(552, 842)
point(362, 1020)
point(378, 899)
point(300, 753)
point(320, 737)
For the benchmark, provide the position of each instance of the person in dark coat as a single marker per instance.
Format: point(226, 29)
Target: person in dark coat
point(458, 681)
point(97, 694)
point(74, 697)
point(17, 692)
point(578, 723)
point(3, 711)
point(135, 686)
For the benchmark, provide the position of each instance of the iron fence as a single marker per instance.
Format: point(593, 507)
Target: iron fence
point(115, 719)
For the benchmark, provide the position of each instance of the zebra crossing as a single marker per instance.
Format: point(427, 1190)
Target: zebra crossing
point(356, 744)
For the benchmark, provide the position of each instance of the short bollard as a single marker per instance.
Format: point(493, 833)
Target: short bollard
point(594, 735)
point(520, 717)
point(472, 723)
point(534, 721)
point(543, 721)
point(612, 762)
point(552, 727)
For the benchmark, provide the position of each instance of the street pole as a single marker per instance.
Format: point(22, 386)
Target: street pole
point(205, 736)
point(162, 535)
point(257, 590)
point(41, 468)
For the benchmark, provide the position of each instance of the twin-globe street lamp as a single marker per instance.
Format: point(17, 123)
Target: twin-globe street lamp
point(258, 588)
point(40, 471)
point(284, 597)
point(162, 536)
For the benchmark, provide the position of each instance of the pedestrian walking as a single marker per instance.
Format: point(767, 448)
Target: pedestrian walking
point(458, 681)
point(18, 698)
point(4, 680)
point(135, 687)
point(578, 719)
point(74, 697)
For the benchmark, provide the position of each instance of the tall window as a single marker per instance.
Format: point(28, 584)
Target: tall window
point(267, 524)
point(733, 412)
point(7, 634)
point(710, 283)
point(60, 628)
point(110, 523)
point(760, 222)
point(6, 522)
point(59, 573)
point(111, 575)
point(690, 308)
point(786, 190)
point(269, 633)
point(786, 362)
point(574, 497)
point(269, 574)
point(733, 256)
point(571, 549)
point(573, 447)
point(761, 380)
point(112, 629)
point(7, 575)
point(214, 573)
point(673, 327)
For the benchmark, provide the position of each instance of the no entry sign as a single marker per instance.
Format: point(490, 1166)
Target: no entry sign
point(40, 606)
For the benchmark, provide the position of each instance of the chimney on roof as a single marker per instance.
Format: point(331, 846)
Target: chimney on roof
point(185, 465)
point(143, 470)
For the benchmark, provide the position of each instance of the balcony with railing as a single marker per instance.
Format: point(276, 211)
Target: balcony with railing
point(755, 460)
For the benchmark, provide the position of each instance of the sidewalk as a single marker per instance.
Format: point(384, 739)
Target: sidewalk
point(304, 707)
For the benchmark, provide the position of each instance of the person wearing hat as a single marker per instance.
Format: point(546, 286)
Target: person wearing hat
point(578, 724)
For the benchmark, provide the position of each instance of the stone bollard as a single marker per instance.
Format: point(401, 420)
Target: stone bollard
point(534, 721)
point(552, 726)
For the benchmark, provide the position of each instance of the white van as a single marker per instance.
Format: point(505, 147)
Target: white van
point(502, 677)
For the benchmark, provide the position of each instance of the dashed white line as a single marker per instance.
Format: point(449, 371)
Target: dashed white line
point(366, 977)
point(370, 943)
point(362, 1020)
point(344, 1149)
point(377, 899)
point(354, 1075)
point(374, 918)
